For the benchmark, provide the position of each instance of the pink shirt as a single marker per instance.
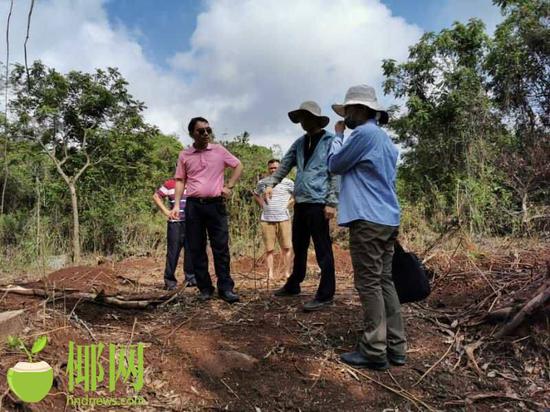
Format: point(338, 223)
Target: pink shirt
point(203, 169)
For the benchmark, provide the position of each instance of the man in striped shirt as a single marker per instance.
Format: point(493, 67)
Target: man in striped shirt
point(175, 236)
point(275, 219)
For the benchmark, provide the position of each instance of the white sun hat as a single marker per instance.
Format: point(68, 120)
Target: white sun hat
point(309, 107)
point(366, 96)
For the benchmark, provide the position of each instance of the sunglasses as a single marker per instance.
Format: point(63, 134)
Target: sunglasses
point(204, 131)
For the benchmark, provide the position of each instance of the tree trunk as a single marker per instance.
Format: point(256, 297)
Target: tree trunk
point(39, 240)
point(76, 224)
point(524, 208)
point(5, 183)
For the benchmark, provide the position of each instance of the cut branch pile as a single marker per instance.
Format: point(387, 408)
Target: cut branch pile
point(524, 299)
point(516, 293)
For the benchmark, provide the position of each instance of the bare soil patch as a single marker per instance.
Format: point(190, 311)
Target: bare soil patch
point(265, 354)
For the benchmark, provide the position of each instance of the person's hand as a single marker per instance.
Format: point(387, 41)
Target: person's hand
point(174, 213)
point(339, 127)
point(268, 193)
point(330, 212)
point(226, 192)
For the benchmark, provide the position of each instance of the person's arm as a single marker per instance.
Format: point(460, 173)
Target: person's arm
point(257, 194)
point(332, 197)
point(180, 187)
point(345, 155)
point(291, 202)
point(286, 165)
point(290, 189)
point(332, 194)
point(235, 175)
point(336, 144)
point(160, 204)
point(181, 180)
point(234, 163)
point(259, 200)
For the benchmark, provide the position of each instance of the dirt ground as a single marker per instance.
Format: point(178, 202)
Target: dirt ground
point(266, 354)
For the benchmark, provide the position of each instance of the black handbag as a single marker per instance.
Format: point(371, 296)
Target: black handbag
point(409, 276)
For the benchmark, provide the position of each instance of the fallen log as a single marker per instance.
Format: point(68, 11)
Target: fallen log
point(19, 290)
point(136, 301)
point(528, 309)
point(145, 296)
point(501, 315)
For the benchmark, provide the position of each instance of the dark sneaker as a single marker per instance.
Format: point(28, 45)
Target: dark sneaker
point(316, 304)
point(170, 285)
point(397, 360)
point(229, 296)
point(282, 292)
point(358, 360)
point(190, 280)
point(205, 295)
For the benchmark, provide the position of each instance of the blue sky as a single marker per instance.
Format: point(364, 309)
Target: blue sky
point(434, 15)
point(161, 27)
point(242, 64)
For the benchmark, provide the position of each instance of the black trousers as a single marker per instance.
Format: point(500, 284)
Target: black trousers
point(309, 223)
point(175, 242)
point(209, 218)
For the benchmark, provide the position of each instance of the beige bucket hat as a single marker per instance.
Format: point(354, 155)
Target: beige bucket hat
point(364, 95)
point(309, 107)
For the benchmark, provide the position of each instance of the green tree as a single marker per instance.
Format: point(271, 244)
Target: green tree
point(518, 67)
point(448, 129)
point(116, 194)
point(72, 118)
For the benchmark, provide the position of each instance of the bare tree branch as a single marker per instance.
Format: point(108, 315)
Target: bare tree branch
point(25, 45)
point(56, 162)
point(98, 161)
point(83, 169)
point(6, 111)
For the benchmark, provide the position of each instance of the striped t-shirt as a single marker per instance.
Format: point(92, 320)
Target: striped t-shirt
point(168, 190)
point(276, 210)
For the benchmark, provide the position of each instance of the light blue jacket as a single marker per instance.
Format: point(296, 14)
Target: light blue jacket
point(314, 183)
point(367, 161)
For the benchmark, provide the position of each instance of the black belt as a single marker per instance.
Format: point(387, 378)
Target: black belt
point(217, 199)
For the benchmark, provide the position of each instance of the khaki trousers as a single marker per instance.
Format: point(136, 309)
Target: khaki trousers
point(371, 248)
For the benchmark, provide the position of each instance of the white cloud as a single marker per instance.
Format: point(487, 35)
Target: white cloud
point(260, 59)
point(249, 63)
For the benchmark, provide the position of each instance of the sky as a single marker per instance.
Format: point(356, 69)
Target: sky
point(242, 64)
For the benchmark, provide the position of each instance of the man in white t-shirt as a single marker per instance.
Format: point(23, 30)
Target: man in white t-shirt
point(275, 219)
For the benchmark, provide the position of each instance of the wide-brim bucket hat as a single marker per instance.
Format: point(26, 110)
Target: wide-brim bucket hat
point(363, 95)
point(308, 107)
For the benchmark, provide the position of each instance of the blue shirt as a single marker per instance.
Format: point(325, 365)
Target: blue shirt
point(314, 183)
point(367, 161)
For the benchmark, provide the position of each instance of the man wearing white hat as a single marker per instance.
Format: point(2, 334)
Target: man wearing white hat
point(367, 161)
point(315, 202)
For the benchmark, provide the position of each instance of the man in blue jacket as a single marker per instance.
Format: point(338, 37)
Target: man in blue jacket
point(367, 161)
point(316, 199)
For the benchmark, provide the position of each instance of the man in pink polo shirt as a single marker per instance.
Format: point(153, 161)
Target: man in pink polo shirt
point(200, 171)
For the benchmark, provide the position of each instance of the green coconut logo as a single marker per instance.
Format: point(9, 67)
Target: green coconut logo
point(30, 381)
